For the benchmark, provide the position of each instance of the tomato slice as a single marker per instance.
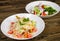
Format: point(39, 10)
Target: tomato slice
point(10, 32)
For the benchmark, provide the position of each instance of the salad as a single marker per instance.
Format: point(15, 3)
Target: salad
point(22, 28)
point(43, 10)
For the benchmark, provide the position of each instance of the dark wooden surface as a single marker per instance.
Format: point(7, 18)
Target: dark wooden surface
point(52, 29)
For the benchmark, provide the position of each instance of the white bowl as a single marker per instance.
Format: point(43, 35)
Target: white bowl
point(40, 25)
point(31, 5)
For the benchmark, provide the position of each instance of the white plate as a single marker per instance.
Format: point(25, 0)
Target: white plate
point(31, 5)
point(40, 25)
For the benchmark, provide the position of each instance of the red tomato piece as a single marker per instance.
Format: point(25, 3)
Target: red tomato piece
point(29, 35)
point(34, 29)
point(19, 36)
point(12, 22)
point(10, 32)
point(43, 14)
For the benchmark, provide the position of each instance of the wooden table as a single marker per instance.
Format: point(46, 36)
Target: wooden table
point(51, 31)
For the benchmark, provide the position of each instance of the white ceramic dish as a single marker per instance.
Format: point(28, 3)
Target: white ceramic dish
point(31, 5)
point(40, 25)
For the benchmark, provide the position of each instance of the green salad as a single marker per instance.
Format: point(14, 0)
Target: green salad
point(43, 10)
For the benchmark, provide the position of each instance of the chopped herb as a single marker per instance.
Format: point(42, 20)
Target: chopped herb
point(50, 10)
point(25, 19)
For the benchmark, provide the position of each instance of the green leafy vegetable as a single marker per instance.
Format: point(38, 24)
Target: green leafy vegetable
point(50, 10)
point(25, 19)
point(36, 9)
point(38, 12)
